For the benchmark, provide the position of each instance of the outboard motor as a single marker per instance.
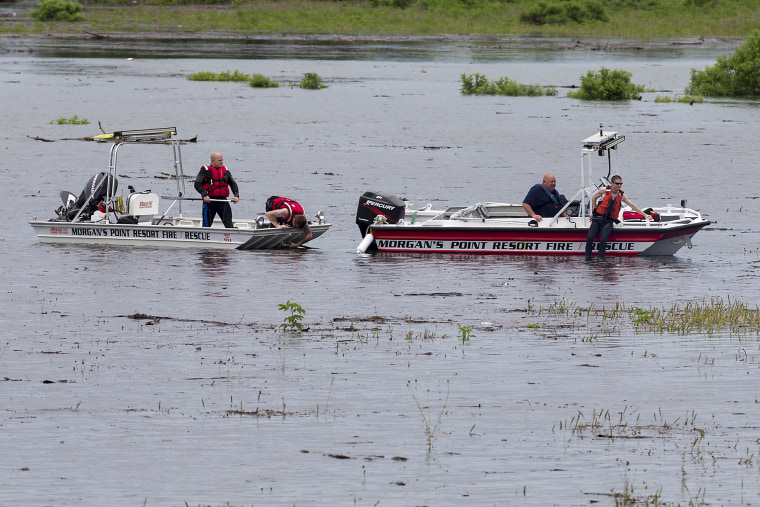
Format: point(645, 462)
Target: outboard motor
point(372, 204)
point(94, 191)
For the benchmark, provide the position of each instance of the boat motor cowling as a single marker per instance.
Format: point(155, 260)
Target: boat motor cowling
point(94, 191)
point(373, 204)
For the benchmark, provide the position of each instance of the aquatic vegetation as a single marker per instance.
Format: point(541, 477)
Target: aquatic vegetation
point(234, 76)
point(682, 99)
point(74, 120)
point(607, 85)
point(477, 84)
point(57, 10)
point(312, 81)
point(708, 316)
point(431, 430)
point(255, 80)
point(465, 333)
point(261, 81)
point(693, 317)
point(735, 75)
point(292, 322)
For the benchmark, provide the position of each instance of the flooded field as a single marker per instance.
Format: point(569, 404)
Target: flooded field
point(165, 377)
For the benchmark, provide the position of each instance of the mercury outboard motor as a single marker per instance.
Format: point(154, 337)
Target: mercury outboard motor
point(94, 191)
point(372, 204)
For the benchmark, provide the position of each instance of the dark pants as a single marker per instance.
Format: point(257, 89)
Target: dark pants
point(213, 208)
point(603, 227)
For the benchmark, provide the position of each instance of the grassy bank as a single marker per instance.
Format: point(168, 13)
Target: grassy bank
point(422, 18)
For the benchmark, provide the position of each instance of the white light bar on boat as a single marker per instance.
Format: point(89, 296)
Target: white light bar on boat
point(602, 141)
point(144, 135)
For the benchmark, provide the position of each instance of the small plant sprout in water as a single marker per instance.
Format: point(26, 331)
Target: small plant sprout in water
point(292, 322)
point(465, 333)
point(431, 429)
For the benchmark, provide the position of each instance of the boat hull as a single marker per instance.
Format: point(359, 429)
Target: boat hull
point(568, 237)
point(171, 234)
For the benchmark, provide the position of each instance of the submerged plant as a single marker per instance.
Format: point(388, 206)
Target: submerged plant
point(261, 81)
point(477, 84)
point(465, 333)
point(736, 75)
point(607, 85)
point(431, 430)
point(312, 81)
point(292, 322)
point(74, 120)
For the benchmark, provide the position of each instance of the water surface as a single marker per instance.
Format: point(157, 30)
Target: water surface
point(205, 400)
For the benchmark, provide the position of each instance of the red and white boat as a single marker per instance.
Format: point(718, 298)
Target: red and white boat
point(389, 224)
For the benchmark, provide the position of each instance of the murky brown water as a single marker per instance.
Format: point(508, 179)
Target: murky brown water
point(211, 403)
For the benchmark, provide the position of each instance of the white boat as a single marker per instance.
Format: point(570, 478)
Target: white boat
point(389, 224)
point(100, 216)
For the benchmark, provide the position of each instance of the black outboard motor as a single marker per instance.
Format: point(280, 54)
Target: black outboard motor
point(94, 191)
point(372, 204)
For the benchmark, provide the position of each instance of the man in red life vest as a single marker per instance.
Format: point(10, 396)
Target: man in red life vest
point(606, 214)
point(284, 212)
point(214, 182)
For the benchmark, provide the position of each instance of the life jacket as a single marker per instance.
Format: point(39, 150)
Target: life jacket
point(609, 208)
point(557, 200)
point(218, 186)
point(286, 203)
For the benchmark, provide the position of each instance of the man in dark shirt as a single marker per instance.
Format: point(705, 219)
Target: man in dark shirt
point(543, 200)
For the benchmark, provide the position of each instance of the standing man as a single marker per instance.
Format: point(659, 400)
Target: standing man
point(606, 214)
point(214, 182)
point(543, 200)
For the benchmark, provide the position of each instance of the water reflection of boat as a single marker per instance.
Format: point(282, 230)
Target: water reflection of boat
point(100, 216)
point(387, 223)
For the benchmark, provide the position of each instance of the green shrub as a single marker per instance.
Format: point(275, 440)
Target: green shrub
point(477, 84)
point(226, 75)
point(57, 10)
point(607, 85)
point(736, 75)
point(683, 99)
point(312, 81)
point(564, 12)
point(261, 81)
point(74, 120)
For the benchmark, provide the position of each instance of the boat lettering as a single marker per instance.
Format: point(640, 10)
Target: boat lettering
point(116, 233)
point(380, 204)
point(142, 233)
point(58, 230)
point(82, 231)
point(203, 236)
point(227, 238)
point(169, 234)
point(412, 244)
point(469, 245)
point(516, 245)
point(620, 247)
point(559, 246)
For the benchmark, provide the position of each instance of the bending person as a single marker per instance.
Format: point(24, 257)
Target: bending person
point(284, 212)
point(606, 214)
